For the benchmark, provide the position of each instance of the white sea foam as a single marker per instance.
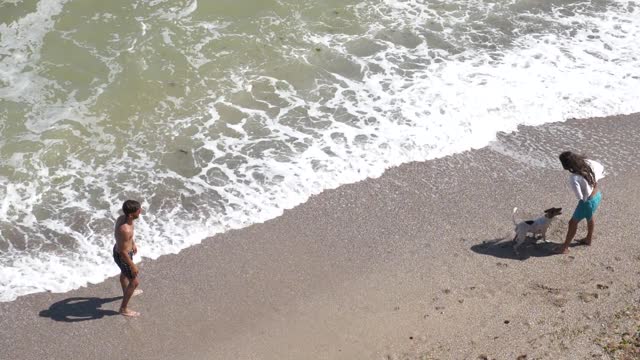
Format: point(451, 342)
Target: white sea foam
point(21, 43)
point(395, 99)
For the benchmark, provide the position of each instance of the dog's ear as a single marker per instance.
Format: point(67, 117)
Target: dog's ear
point(553, 212)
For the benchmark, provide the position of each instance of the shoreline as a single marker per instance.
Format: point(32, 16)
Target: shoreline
point(407, 265)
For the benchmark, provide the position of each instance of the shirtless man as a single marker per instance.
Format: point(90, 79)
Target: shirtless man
point(123, 252)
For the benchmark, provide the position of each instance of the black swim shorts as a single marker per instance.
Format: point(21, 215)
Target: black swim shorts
point(122, 264)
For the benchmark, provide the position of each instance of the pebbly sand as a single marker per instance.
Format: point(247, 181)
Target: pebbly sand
point(410, 265)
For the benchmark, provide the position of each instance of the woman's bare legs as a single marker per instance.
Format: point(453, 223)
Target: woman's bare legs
point(590, 225)
point(571, 232)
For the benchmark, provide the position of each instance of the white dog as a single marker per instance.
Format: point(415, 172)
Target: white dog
point(536, 227)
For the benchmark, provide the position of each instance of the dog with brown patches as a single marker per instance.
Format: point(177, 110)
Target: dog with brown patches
point(535, 227)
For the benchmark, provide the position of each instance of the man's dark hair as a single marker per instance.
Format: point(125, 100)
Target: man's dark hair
point(130, 206)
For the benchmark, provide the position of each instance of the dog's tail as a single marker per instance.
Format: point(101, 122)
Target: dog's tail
point(513, 216)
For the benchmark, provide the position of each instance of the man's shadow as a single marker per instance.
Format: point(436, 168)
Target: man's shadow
point(502, 248)
point(79, 309)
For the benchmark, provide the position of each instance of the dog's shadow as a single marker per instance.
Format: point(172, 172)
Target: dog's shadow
point(503, 248)
point(79, 309)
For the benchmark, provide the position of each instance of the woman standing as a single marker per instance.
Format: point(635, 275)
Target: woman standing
point(583, 180)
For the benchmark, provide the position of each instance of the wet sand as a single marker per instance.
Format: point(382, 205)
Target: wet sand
point(411, 265)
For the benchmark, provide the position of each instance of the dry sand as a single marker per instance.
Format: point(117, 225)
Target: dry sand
point(406, 266)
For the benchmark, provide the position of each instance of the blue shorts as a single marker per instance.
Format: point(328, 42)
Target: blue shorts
point(586, 209)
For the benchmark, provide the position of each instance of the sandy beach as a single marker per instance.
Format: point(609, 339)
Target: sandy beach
point(411, 265)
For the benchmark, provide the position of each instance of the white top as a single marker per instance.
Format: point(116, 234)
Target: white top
point(580, 186)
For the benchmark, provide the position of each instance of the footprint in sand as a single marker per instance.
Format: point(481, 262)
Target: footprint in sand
point(557, 297)
point(502, 265)
point(587, 297)
point(607, 267)
point(546, 288)
point(559, 302)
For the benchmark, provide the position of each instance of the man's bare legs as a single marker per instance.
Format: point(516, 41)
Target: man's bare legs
point(127, 293)
point(124, 282)
point(571, 232)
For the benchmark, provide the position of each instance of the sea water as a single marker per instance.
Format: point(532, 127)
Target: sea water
point(220, 114)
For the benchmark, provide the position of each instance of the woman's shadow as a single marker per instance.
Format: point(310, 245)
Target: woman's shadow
point(79, 309)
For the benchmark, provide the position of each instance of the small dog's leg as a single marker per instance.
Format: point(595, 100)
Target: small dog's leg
point(517, 240)
point(544, 237)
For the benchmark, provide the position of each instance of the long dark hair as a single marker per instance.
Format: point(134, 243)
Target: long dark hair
point(577, 164)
